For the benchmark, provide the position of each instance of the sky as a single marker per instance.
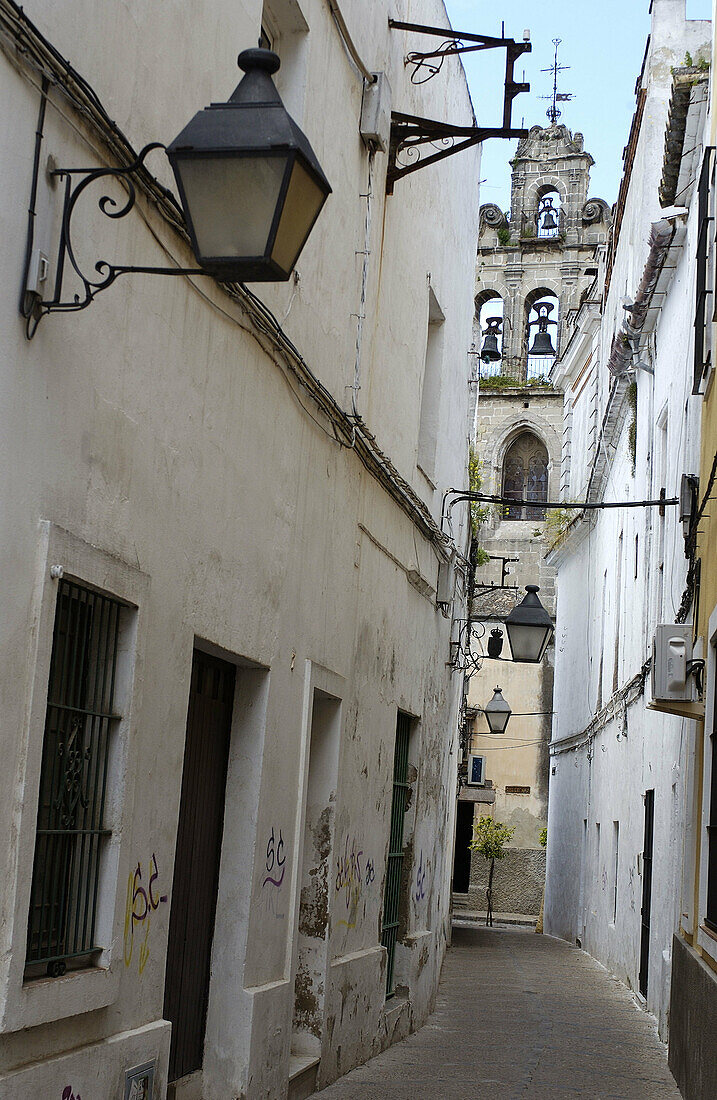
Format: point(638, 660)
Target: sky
point(602, 43)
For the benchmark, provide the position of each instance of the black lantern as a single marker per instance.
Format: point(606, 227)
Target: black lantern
point(542, 344)
point(497, 712)
point(495, 643)
point(529, 628)
point(250, 184)
point(490, 352)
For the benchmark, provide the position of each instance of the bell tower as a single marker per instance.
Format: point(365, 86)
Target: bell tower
point(542, 253)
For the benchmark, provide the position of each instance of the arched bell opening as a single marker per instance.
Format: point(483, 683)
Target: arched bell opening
point(488, 333)
point(525, 477)
point(542, 310)
point(548, 214)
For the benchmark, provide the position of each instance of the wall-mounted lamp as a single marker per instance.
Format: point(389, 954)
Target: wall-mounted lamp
point(529, 628)
point(250, 186)
point(497, 712)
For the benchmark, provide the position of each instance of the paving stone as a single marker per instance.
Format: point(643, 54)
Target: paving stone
point(520, 1017)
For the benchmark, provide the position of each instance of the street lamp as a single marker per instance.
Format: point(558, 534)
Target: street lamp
point(529, 628)
point(497, 712)
point(250, 184)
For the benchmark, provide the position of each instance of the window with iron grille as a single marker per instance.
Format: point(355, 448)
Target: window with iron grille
point(79, 723)
point(399, 804)
point(704, 289)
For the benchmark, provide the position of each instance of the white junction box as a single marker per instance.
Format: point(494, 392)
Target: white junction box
point(671, 654)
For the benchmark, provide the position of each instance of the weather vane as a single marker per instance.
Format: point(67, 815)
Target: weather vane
point(553, 112)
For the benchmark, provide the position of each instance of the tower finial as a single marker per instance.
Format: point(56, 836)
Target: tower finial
point(553, 112)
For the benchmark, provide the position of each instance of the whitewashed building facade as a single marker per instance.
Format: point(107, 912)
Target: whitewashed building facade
point(225, 681)
point(618, 768)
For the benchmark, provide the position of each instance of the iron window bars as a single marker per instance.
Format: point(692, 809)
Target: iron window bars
point(79, 722)
point(394, 869)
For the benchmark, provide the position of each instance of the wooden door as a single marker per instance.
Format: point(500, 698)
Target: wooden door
point(646, 891)
point(196, 863)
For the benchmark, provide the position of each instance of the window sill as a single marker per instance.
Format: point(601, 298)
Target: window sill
point(42, 1000)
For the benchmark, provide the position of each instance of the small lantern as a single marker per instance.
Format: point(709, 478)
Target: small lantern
point(497, 712)
point(495, 643)
point(529, 628)
point(490, 352)
point(250, 184)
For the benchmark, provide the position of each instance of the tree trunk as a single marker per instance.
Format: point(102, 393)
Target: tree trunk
point(489, 895)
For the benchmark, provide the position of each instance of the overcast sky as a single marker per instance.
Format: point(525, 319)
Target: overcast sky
point(602, 43)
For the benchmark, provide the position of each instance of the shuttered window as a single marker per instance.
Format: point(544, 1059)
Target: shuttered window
point(704, 288)
point(79, 724)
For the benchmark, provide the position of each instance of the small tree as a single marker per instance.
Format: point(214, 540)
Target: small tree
point(489, 838)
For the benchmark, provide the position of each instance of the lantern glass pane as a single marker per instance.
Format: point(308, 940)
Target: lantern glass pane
point(527, 643)
point(232, 202)
point(303, 201)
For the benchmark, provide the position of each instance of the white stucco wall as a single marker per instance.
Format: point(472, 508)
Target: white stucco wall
point(607, 613)
point(197, 480)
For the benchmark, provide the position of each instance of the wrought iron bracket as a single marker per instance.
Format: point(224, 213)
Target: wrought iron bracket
point(410, 133)
point(76, 181)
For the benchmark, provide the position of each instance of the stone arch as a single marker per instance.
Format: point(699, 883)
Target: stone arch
point(524, 476)
point(489, 302)
point(540, 293)
point(538, 187)
point(495, 446)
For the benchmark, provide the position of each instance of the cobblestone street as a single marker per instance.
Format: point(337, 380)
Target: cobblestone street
point(520, 1016)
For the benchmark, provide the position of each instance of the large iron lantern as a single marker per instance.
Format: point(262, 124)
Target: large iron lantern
point(250, 184)
point(529, 628)
point(497, 712)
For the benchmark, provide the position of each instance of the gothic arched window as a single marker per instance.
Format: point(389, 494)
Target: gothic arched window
point(525, 476)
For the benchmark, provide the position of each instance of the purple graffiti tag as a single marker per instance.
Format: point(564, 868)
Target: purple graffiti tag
point(139, 907)
point(275, 857)
point(68, 1094)
point(420, 880)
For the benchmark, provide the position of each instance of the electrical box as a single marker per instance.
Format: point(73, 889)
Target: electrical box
point(446, 584)
point(376, 113)
point(671, 656)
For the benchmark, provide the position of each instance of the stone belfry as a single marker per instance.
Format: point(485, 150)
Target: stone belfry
point(545, 248)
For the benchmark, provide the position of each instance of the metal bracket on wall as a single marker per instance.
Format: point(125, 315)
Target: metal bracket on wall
point(33, 305)
point(410, 133)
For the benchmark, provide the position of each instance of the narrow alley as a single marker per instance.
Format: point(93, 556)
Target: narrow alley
point(520, 1016)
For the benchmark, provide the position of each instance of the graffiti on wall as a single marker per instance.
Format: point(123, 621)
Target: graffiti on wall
point(352, 877)
point(421, 875)
point(273, 879)
point(142, 901)
point(68, 1094)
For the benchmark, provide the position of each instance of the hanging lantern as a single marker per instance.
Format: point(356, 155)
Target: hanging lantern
point(529, 628)
point(542, 344)
point(495, 643)
point(497, 712)
point(490, 352)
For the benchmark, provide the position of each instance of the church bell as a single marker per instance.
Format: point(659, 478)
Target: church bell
point(490, 353)
point(542, 344)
